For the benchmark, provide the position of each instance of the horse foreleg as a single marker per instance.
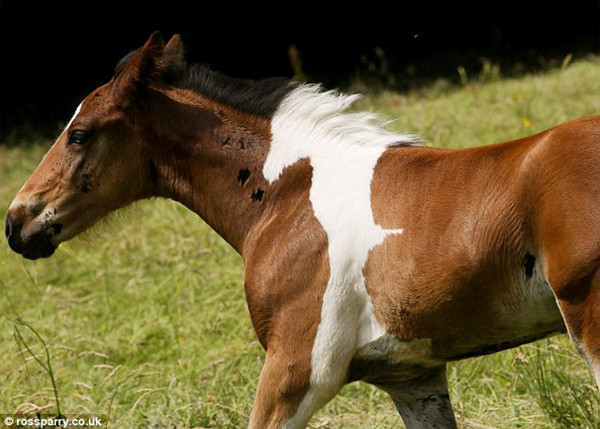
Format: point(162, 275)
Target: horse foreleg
point(424, 402)
point(285, 397)
point(283, 383)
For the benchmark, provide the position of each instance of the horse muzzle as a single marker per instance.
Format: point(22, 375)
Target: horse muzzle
point(33, 239)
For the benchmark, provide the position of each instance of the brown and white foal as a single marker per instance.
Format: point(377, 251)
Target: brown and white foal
point(368, 257)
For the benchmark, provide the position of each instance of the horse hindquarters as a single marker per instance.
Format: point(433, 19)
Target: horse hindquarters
point(568, 226)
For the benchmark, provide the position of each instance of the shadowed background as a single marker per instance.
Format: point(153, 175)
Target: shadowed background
point(55, 53)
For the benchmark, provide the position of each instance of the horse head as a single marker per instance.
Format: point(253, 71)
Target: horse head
point(98, 163)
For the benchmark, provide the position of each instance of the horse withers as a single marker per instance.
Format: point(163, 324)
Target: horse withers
point(368, 256)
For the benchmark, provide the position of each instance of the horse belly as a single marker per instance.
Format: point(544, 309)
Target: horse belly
point(478, 317)
point(527, 313)
point(388, 358)
point(532, 315)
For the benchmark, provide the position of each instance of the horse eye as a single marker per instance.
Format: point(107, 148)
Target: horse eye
point(77, 137)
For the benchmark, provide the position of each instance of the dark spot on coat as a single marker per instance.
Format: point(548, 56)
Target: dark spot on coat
point(243, 176)
point(55, 228)
point(86, 183)
point(257, 196)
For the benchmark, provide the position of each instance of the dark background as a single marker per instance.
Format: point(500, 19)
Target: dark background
point(55, 53)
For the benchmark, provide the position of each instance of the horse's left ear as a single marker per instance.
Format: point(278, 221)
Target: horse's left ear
point(150, 56)
point(142, 67)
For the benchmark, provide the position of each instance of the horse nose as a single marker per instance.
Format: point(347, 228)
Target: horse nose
point(32, 242)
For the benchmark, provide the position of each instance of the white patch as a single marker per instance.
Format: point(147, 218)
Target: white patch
point(343, 149)
point(74, 116)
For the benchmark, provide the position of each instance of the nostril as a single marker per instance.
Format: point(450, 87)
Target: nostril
point(8, 228)
point(13, 233)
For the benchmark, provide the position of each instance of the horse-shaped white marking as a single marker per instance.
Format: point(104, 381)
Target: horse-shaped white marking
point(343, 150)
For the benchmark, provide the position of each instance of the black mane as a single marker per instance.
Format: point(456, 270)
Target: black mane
point(261, 97)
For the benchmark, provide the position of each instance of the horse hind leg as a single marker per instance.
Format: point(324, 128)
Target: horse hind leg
point(572, 268)
point(424, 402)
point(568, 231)
point(590, 331)
point(579, 303)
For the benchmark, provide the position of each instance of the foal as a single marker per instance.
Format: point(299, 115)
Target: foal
point(368, 257)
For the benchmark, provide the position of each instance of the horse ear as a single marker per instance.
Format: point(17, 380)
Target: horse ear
point(174, 53)
point(151, 57)
point(142, 67)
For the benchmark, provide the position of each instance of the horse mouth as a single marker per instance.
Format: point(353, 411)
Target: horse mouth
point(31, 246)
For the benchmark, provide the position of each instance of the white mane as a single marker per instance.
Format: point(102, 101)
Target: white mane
point(314, 114)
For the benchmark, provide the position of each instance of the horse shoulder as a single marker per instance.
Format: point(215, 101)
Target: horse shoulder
point(287, 269)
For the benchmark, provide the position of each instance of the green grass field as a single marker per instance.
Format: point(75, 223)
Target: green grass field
point(144, 320)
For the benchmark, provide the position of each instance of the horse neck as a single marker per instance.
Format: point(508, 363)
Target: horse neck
point(209, 157)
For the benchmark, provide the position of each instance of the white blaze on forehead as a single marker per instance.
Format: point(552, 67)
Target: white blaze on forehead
point(74, 116)
point(343, 149)
point(67, 127)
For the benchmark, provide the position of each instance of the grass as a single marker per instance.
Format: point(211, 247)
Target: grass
point(145, 322)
